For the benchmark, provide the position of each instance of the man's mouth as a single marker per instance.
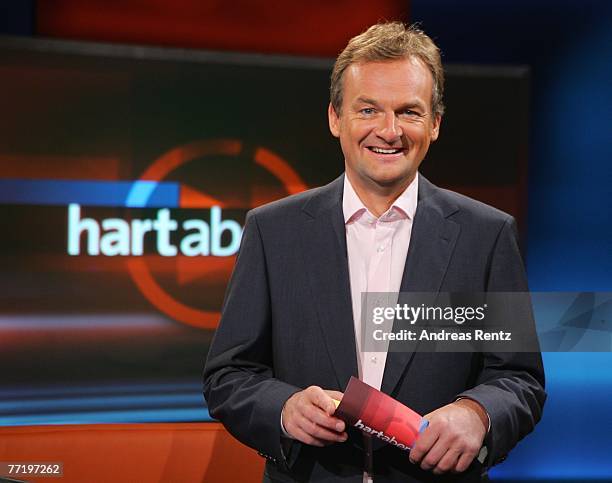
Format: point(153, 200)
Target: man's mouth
point(378, 150)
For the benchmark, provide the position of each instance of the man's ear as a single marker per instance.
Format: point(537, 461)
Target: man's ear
point(435, 128)
point(334, 120)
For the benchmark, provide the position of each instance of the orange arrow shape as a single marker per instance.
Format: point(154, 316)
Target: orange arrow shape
point(191, 198)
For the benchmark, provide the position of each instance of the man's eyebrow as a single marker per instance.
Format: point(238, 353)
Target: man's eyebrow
point(408, 105)
point(366, 100)
point(412, 105)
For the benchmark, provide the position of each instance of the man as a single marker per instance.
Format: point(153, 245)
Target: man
point(286, 344)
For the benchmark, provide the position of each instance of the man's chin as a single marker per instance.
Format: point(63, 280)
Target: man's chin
point(393, 181)
point(390, 182)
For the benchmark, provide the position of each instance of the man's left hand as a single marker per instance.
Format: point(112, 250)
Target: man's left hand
point(453, 438)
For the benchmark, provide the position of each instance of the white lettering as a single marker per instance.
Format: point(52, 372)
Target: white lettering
point(116, 240)
point(380, 435)
point(164, 225)
point(76, 226)
point(196, 243)
point(217, 227)
point(115, 236)
point(139, 228)
point(492, 336)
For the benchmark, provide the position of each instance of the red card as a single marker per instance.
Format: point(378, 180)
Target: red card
point(379, 415)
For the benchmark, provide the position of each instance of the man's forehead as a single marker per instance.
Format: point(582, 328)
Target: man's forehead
point(407, 77)
point(409, 62)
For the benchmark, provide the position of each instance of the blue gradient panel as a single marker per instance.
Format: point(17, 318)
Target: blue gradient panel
point(573, 438)
point(567, 45)
point(574, 321)
point(135, 403)
point(131, 194)
point(140, 415)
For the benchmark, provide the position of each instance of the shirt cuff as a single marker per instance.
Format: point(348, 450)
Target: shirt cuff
point(484, 410)
point(283, 430)
point(484, 451)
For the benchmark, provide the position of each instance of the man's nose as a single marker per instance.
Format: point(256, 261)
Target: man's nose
point(388, 128)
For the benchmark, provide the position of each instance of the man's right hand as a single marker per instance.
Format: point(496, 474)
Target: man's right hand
point(307, 417)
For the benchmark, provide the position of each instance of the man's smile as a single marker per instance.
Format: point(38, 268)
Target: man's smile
point(387, 151)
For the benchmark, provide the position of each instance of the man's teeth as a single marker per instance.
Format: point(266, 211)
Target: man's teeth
point(385, 151)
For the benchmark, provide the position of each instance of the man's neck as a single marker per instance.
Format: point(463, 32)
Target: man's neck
point(378, 199)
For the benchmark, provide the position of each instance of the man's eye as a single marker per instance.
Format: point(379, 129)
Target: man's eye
point(411, 113)
point(367, 111)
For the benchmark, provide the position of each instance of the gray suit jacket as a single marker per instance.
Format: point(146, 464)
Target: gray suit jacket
point(287, 323)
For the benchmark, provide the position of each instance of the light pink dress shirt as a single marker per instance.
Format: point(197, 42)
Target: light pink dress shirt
point(377, 249)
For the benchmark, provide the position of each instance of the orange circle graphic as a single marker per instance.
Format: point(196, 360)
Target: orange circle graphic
point(157, 171)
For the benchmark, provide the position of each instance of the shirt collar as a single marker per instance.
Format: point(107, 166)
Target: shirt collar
point(353, 207)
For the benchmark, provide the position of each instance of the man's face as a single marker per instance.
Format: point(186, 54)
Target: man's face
point(386, 124)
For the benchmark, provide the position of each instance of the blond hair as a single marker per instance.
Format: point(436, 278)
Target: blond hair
point(385, 42)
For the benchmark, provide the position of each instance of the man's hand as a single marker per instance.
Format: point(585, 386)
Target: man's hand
point(307, 417)
point(453, 438)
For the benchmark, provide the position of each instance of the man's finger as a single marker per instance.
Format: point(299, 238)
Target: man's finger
point(321, 418)
point(423, 444)
point(448, 462)
point(337, 395)
point(465, 460)
point(434, 455)
point(319, 432)
point(321, 399)
point(304, 437)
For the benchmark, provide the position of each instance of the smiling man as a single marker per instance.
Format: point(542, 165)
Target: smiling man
point(385, 124)
point(288, 340)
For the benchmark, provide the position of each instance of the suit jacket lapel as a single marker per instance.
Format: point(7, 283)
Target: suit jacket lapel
point(326, 264)
point(431, 245)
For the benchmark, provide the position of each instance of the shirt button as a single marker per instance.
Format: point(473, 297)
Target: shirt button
point(380, 249)
point(374, 359)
